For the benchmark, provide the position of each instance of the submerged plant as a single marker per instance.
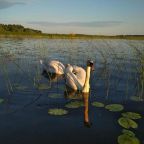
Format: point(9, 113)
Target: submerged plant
point(74, 104)
point(57, 111)
point(127, 123)
point(97, 104)
point(131, 115)
point(114, 107)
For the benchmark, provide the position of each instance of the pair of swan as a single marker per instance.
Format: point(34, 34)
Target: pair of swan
point(76, 77)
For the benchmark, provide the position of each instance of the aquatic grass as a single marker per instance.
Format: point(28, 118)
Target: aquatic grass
point(57, 111)
point(6, 76)
point(114, 107)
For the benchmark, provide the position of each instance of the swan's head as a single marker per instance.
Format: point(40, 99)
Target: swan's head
point(91, 64)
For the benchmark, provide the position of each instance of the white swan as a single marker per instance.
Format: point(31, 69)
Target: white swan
point(53, 66)
point(77, 78)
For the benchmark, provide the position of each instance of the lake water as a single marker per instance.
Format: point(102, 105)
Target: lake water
point(118, 79)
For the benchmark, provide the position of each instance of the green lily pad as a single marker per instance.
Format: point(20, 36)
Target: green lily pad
point(74, 104)
point(127, 123)
point(1, 100)
point(55, 95)
point(125, 139)
point(136, 98)
point(20, 87)
point(114, 107)
point(128, 132)
point(97, 104)
point(43, 86)
point(131, 115)
point(57, 111)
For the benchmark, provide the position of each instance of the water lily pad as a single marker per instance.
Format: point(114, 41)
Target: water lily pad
point(1, 100)
point(57, 111)
point(97, 104)
point(114, 107)
point(125, 139)
point(128, 132)
point(136, 98)
point(43, 86)
point(131, 115)
point(20, 87)
point(74, 104)
point(127, 123)
point(55, 95)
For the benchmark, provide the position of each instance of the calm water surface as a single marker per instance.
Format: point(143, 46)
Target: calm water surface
point(118, 78)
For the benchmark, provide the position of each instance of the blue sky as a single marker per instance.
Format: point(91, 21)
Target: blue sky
point(107, 17)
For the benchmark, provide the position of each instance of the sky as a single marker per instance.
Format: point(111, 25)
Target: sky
point(100, 17)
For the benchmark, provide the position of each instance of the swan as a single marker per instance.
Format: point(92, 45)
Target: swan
point(77, 78)
point(53, 66)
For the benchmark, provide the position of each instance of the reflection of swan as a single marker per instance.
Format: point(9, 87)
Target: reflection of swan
point(87, 123)
point(72, 94)
point(76, 77)
point(53, 66)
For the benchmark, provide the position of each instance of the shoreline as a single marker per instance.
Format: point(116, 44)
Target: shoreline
point(71, 36)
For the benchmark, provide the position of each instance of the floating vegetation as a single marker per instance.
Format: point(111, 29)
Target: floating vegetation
point(136, 98)
point(57, 111)
point(43, 86)
point(128, 132)
point(74, 104)
point(1, 100)
point(97, 104)
point(126, 139)
point(127, 123)
point(55, 95)
point(20, 87)
point(114, 107)
point(62, 88)
point(131, 115)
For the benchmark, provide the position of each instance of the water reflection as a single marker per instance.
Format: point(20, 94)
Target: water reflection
point(71, 94)
point(87, 122)
point(52, 76)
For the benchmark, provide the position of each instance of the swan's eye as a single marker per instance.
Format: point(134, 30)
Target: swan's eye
point(74, 72)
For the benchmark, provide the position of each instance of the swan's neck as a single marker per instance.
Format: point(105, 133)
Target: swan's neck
point(87, 85)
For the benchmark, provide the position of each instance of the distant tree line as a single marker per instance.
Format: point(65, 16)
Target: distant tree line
point(17, 29)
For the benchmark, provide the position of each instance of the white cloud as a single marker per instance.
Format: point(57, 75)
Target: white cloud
point(9, 3)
